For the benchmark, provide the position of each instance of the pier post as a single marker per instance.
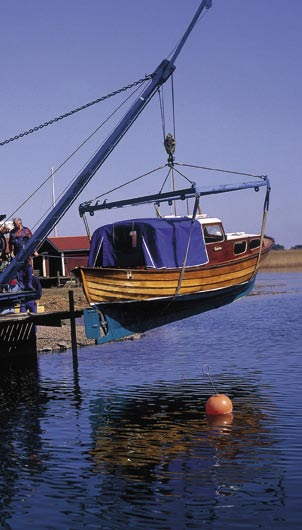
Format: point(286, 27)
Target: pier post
point(72, 325)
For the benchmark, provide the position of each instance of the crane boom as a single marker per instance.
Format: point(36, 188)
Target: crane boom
point(159, 77)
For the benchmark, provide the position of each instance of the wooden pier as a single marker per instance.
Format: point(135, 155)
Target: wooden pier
point(17, 330)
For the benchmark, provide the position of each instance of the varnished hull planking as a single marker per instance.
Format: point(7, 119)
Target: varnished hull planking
point(139, 316)
point(134, 300)
point(115, 286)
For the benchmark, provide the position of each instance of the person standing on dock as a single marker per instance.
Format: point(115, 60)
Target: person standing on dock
point(4, 252)
point(3, 231)
point(31, 305)
point(17, 239)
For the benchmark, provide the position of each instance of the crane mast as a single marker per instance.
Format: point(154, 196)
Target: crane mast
point(158, 78)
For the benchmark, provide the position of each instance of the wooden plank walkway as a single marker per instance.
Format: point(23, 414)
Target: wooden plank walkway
point(17, 330)
point(51, 318)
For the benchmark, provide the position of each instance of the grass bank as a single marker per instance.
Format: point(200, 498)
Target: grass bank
point(283, 260)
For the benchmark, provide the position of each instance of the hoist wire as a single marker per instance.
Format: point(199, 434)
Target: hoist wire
point(86, 226)
point(67, 160)
point(221, 170)
point(162, 108)
point(162, 111)
point(263, 224)
point(183, 268)
point(173, 188)
point(181, 174)
point(165, 180)
point(173, 106)
point(74, 111)
point(128, 182)
point(89, 137)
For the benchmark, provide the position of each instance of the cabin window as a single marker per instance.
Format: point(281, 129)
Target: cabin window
point(213, 233)
point(240, 247)
point(254, 243)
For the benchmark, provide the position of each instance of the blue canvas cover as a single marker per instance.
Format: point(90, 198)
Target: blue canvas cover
point(157, 243)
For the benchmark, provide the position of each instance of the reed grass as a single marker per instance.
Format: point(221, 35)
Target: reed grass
point(283, 260)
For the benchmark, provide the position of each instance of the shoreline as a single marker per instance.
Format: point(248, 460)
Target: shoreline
point(56, 339)
point(282, 261)
point(50, 339)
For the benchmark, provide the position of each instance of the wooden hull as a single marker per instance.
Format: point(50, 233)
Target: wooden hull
point(121, 286)
point(136, 300)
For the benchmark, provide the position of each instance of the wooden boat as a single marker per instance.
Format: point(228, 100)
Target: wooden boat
point(143, 273)
point(232, 260)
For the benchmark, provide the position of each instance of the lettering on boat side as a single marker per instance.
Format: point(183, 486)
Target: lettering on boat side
point(217, 248)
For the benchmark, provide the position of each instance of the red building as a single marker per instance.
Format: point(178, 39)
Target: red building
point(59, 255)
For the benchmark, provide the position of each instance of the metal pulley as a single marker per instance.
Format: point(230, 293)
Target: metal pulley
point(170, 145)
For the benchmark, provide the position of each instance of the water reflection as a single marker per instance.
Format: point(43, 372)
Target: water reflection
point(121, 439)
point(156, 443)
point(156, 458)
point(20, 430)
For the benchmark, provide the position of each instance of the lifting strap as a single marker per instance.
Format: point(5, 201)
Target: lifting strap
point(181, 275)
point(264, 218)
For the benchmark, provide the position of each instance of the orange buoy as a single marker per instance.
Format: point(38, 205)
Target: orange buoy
point(219, 404)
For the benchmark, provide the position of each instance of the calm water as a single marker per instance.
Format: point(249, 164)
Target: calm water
point(121, 440)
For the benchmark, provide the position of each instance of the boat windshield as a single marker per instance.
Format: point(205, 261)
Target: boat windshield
point(213, 233)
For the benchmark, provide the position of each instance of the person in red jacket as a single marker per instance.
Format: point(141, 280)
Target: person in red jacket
point(18, 237)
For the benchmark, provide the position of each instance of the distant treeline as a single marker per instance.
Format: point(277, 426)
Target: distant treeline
point(284, 259)
point(277, 246)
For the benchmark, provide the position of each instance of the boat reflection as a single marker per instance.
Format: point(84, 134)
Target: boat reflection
point(143, 445)
point(162, 435)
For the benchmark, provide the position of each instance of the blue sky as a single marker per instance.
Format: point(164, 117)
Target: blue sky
point(237, 100)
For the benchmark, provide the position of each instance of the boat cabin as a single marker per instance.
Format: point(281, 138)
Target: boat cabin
point(166, 243)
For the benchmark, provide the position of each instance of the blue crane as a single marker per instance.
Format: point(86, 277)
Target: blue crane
point(161, 74)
